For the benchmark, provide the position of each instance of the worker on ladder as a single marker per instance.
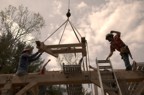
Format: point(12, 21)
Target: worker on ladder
point(117, 44)
point(26, 58)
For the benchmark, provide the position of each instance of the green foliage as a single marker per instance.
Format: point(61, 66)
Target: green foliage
point(15, 25)
point(10, 53)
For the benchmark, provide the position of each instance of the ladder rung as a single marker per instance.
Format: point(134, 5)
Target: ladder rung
point(103, 61)
point(105, 67)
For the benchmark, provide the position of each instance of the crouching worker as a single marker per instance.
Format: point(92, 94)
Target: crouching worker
point(117, 44)
point(25, 59)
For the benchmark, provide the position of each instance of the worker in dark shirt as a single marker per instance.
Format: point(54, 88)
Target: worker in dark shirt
point(25, 59)
point(117, 44)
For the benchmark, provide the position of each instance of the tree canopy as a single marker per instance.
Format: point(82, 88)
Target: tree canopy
point(15, 26)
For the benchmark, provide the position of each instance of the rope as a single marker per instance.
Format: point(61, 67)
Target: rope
point(55, 31)
point(88, 54)
point(63, 32)
point(73, 28)
point(83, 66)
point(74, 31)
point(68, 4)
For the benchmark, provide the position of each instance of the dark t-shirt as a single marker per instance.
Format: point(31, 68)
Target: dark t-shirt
point(116, 43)
point(26, 59)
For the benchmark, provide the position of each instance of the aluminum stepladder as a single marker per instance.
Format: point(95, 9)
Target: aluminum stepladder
point(107, 78)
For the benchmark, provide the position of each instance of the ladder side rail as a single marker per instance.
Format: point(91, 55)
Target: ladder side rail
point(100, 79)
point(120, 93)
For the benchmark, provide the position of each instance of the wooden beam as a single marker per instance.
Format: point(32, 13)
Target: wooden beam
point(130, 76)
point(96, 89)
point(50, 52)
point(67, 51)
point(62, 48)
point(35, 90)
point(6, 90)
point(64, 45)
point(26, 88)
point(139, 89)
point(140, 64)
point(60, 78)
point(56, 77)
point(123, 87)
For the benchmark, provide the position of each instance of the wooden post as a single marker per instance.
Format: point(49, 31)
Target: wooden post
point(139, 89)
point(123, 87)
point(7, 89)
point(26, 88)
point(95, 89)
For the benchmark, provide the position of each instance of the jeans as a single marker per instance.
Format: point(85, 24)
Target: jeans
point(21, 73)
point(125, 57)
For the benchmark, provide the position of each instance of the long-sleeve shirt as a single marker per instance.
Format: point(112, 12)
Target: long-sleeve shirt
point(26, 59)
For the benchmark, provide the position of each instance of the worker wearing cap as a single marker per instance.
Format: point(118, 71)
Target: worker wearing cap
point(117, 44)
point(25, 59)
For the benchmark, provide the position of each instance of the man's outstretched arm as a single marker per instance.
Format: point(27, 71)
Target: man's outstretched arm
point(117, 32)
point(111, 53)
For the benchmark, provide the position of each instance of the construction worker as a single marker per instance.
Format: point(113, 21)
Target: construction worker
point(117, 44)
point(26, 58)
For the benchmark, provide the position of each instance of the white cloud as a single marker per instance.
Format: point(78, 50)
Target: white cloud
point(93, 19)
point(82, 5)
point(117, 15)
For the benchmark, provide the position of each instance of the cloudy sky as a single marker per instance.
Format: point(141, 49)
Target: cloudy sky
point(93, 19)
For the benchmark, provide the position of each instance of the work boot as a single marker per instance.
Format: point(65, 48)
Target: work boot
point(129, 68)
